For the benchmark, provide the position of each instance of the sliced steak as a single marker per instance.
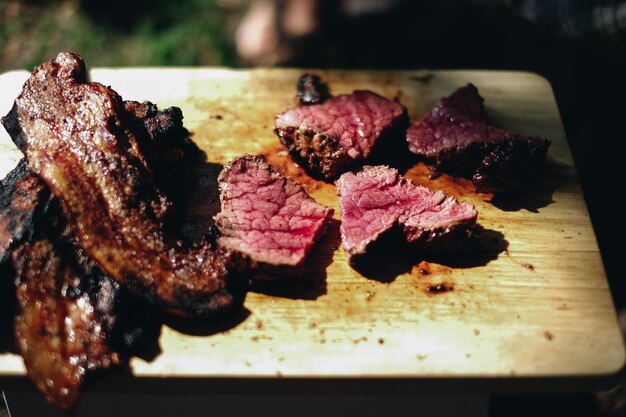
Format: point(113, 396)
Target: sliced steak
point(78, 137)
point(268, 220)
point(377, 199)
point(455, 137)
point(342, 133)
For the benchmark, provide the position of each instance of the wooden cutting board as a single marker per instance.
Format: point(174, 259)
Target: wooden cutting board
point(531, 310)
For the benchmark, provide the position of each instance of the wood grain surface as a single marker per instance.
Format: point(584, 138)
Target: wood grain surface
point(532, 304)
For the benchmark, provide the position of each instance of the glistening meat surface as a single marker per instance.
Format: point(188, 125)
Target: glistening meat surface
point(268, 218)
point(377, 198)
point(77, 137)
point(342, 132)
point(66, 311)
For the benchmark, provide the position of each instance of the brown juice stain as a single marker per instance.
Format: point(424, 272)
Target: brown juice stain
point(433, 279)
point(526, 265)
point(439, 288)
point(278, 157)
point(422, 269)
point(457, 187)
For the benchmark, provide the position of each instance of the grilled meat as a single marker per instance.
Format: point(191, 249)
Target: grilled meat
point(67, 311)
point(268, 219)
point(377, 199)
point(77, 136)
point(341, 133)
point(68, 319)
point(456, 137)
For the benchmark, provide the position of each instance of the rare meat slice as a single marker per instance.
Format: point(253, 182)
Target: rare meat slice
point(268, 219)
point(456, 137)
point(77, 136)
point(377, 199)
point(342, 133)
point(66, 316)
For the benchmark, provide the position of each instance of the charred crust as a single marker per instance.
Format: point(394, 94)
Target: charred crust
point(510, 165)
point(311, 90)
point(319, 153)
point(452, 238)
point(61, 84)
point(495, 167)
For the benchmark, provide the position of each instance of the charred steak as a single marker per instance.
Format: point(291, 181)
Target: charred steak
point(68, 322)
point(22, 195)
point(269, 219)
point(377, 199)
point(456, 137)
point(77, 136)
point(67, 311)
point(341, 133)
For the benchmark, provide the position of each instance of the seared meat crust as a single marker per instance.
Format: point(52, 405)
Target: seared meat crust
point(77, 136)
point(67, 312)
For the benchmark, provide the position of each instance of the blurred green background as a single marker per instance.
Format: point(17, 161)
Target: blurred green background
point(119, 32)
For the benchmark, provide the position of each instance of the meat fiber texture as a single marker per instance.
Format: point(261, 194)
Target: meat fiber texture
point(456, 138)
point(268, 220)
point(341, 133)
point(376, 199)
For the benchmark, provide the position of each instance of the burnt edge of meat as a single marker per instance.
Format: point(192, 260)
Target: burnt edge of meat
point(396, 247)
point(442, 239)
point(495, 167)
point(510, 164)
point(321, 155)
point(67, 311)
point(23, 196)
point(169, 150)
point(311, 90)
point(402, 240)
point(264, 272)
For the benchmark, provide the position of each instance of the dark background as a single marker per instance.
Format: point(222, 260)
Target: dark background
point(588, 74)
